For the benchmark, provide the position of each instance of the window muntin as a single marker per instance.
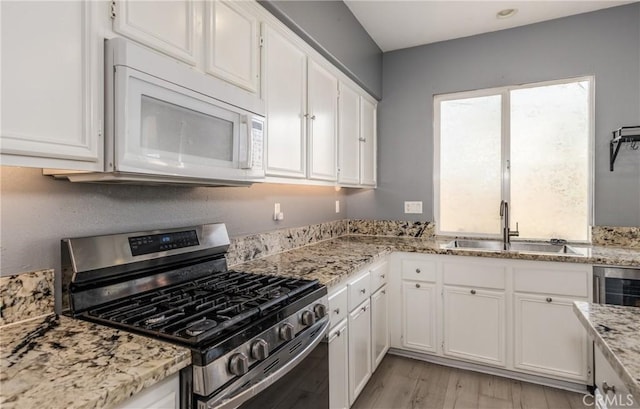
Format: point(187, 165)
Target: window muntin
point(545, 161)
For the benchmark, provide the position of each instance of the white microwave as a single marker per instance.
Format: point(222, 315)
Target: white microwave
point(167, 123)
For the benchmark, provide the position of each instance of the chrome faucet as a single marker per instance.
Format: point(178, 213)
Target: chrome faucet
point(506, 231)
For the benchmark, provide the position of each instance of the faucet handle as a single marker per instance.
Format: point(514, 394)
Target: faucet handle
point(515, 232)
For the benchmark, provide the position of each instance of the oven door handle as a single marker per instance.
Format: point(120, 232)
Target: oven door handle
point(236, 400)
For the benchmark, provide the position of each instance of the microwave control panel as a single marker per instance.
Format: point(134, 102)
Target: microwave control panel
point(257, 134)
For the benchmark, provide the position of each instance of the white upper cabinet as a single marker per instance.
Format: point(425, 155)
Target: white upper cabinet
point(286, 91)
point(166, 26)
point(357, 138)
point(232, 44)
point(368, 137)
point(51, 86)
point(348, 136)
point(322, 116)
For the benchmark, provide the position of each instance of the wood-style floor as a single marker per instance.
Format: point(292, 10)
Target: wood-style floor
point(403, 383)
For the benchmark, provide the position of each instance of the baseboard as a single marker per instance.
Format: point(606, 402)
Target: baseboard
point(540, 380)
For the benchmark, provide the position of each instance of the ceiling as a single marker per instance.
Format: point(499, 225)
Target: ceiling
point(395, 24)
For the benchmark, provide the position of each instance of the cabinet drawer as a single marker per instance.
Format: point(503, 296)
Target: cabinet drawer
point(419, 270)
point(545, 280)
point(338, 306)
point(474, 274)
point(359, 290)
point(379, 274)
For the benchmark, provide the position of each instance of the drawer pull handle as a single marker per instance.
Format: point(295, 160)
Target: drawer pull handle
point(418, 270)
point(606, 388)
point(473, 292)
point(381, 275)
point(364, 308)
point(384, 291)
point(337, 310)
point(363, 291)
point(339, 333)
point(549, 299)
point(417, 285)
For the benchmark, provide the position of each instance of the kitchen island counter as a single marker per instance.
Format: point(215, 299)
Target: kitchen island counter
point(615, 331)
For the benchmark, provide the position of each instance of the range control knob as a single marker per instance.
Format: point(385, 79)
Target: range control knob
point(320, 310)
point(260, 349)
point(286, 332)
point(238, 364)
point(308, 318)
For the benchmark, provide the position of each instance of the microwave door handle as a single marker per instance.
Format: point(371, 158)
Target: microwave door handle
point(247, 161)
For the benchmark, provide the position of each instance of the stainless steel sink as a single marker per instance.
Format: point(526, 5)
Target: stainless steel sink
point(480, 245)
point(517, 247)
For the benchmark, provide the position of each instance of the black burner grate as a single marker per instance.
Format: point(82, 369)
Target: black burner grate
point(203, 308)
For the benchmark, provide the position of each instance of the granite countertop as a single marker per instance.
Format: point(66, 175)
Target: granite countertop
point(615, 330)
point(52, 361)
point(61, 362)
point(333, 260)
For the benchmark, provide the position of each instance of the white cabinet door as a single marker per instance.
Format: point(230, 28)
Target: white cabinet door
point(51, 83)
point(286, 80)
point(338, 367)
point(367, 142)
point(348, 136)
point(474, 325)
point(166, 26)
point(379, 326)
point(322, 116)
point(231, 44)
point(419, 330)
point(163, 395)
point(549, 339)
point(359, 349)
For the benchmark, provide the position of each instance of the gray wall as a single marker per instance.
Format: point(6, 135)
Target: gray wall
point(331, 28)
point(604, 43)
point(37, 211)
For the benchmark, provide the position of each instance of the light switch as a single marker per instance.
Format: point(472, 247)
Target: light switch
point(337, 206)
point(413, 207)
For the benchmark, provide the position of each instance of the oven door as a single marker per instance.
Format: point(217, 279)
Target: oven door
point(294, 376)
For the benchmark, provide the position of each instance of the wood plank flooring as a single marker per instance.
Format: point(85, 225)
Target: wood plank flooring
point(403, 383)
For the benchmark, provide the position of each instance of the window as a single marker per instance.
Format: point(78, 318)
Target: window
point(529, 145)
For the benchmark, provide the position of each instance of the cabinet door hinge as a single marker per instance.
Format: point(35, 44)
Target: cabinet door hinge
point(113, 9)
point(261, 41)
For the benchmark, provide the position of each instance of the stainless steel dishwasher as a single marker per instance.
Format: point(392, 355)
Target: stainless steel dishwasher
point(616, 285)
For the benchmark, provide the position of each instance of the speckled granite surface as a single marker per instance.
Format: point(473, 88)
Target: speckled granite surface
point(396, 228)
point(61, 362)
point(259, 245)
point(333, 260)
point(616, 236)
point(615, 330)
point(26, 296)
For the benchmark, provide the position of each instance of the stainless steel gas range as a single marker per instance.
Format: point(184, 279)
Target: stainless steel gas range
point(253, 337)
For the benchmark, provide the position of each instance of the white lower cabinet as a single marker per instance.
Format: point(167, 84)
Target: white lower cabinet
point(549, 339)
point(163, 395)
point(474, 325)
point(419, 330)
point(379, 326)
point(359, 349)
point(338, 366)
point(611, 392)
point(511, 314)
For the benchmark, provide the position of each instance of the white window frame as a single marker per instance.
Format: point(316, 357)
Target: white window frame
point(504, 92)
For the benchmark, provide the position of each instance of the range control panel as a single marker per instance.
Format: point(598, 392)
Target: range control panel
point(162, 242)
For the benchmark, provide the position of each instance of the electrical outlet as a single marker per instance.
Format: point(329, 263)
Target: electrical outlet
point(413, 207)
point(337, 206)
point(277, 214)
